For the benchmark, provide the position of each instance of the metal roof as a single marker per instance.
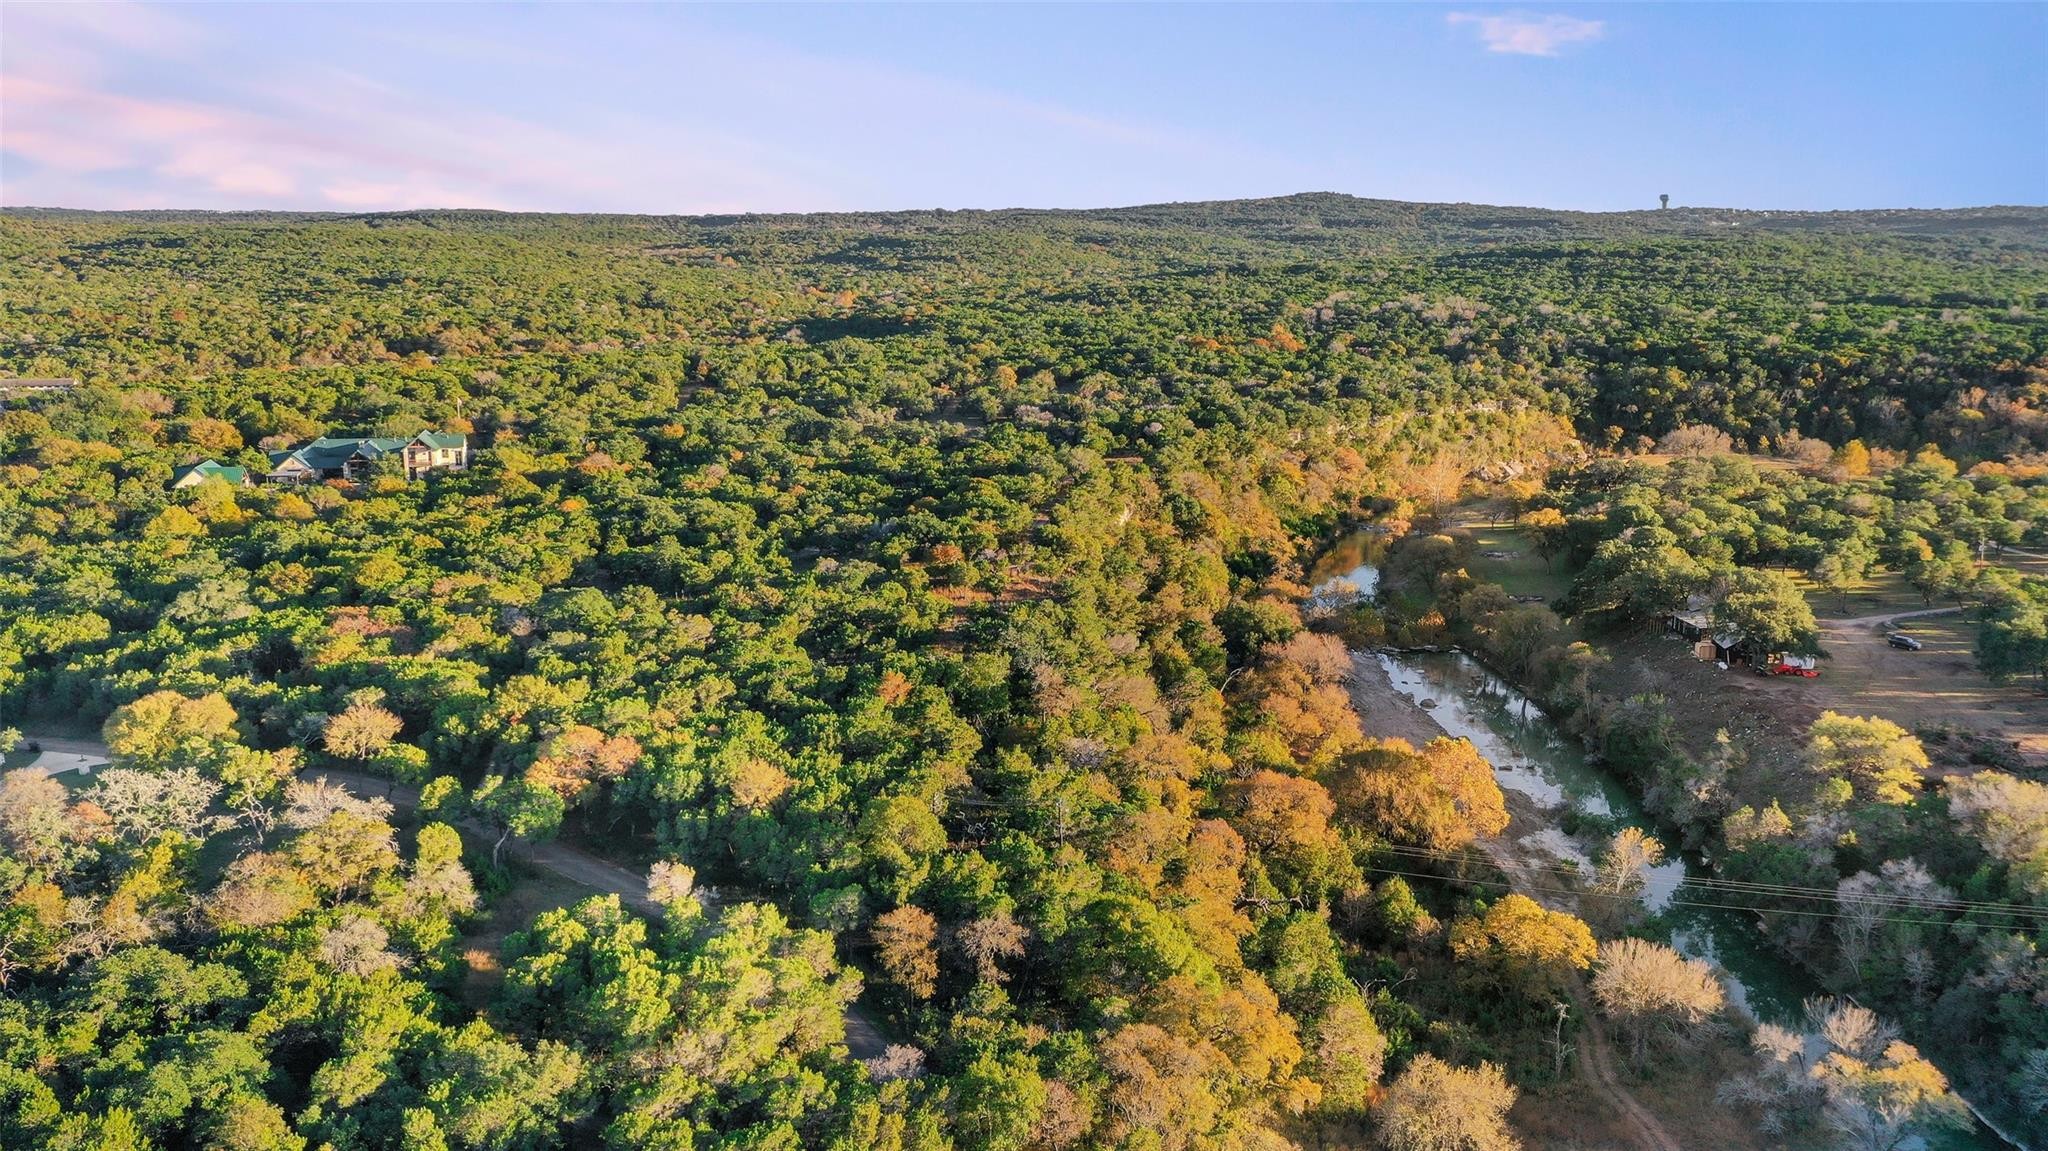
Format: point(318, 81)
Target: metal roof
point(211, 468)
point(330, 453)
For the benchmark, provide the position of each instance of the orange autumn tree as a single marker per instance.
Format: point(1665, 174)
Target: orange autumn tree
point(573, 759)
point(1287, 819)
point(1302, 705)
point(1442, 796)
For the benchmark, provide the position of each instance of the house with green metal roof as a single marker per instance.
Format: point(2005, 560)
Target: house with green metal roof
point(351, 457)
point(192, 475)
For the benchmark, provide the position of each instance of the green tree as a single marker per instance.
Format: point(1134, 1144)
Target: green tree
point(2012, 640)
point(1882, 760)
point(511, 806)
point(1842, 567)
point(1769, 610)
point(165, 729)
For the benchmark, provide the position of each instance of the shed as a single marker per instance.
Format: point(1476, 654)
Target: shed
point(192, 475)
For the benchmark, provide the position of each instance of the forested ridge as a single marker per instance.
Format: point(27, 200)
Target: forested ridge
point(929, 582)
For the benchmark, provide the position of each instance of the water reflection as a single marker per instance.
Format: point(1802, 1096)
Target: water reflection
point(1349, 571)
point(1532, 757)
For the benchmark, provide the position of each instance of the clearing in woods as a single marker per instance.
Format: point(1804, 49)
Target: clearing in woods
point(1506, 556)
point(1936, 691)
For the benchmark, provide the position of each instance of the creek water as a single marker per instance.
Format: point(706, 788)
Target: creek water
point(1532, 757)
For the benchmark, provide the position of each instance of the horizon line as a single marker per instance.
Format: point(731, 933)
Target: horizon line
point(329, 213)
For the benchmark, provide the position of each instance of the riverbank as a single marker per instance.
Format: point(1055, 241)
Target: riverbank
point(1531, 846)
point(1563, 785)
point(1383, 711)
point(1607, 1107)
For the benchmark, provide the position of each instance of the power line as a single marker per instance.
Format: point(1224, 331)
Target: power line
point(1784, 890)
point(1558, 891)
point(1740, 887)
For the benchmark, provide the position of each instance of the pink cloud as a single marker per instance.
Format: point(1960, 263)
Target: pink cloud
point(88, 118)
point(244, 158)
point(1526, 34)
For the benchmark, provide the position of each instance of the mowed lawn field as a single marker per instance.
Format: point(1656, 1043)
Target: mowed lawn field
point(1513, 564)
point(1887, 591)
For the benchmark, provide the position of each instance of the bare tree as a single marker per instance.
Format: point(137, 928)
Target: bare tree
point(35, 822)
point(1323, 657)
point(2030, 1082)
point(144, 804)
point(992, 937)
point(1866, 901)
point(897, 1061)
point(358, 945)
point(1874, 1090)
point(259, 889)
point(1696, 440)
point(1434, 1106)
point(1629, 856)
point(1783, 1084)
point(1654, 992)
point(1849, 1028)
point(671, 881)
point(311, 801)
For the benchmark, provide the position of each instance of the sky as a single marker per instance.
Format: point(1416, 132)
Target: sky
point(667, 108)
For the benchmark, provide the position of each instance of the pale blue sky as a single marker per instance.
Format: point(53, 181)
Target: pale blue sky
point(669, 108)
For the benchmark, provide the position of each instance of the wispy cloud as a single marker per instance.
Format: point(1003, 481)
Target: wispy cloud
point(323, 112)
point(309, 136)
point(1528, 34)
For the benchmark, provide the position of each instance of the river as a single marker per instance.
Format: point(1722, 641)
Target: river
point(1533, 758)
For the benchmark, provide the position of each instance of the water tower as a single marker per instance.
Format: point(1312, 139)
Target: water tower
point(1664, 201)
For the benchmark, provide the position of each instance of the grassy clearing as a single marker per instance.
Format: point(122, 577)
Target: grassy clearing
point(2035, 564)
point(1517, 567)
point(1888, 591)
point(483, 938)
point(1876, 594)
point(1935, 689)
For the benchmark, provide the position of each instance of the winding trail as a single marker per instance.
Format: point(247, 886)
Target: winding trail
point(1386, 712)
point(864, 1037)
point(1596, 1050)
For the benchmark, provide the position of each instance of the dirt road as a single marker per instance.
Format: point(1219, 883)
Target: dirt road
point(1882, 618)
point(864, 1038)
point(572, 864)
point(87, 747)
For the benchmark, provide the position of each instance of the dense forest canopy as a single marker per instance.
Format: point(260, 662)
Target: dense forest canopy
point(926, 583)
